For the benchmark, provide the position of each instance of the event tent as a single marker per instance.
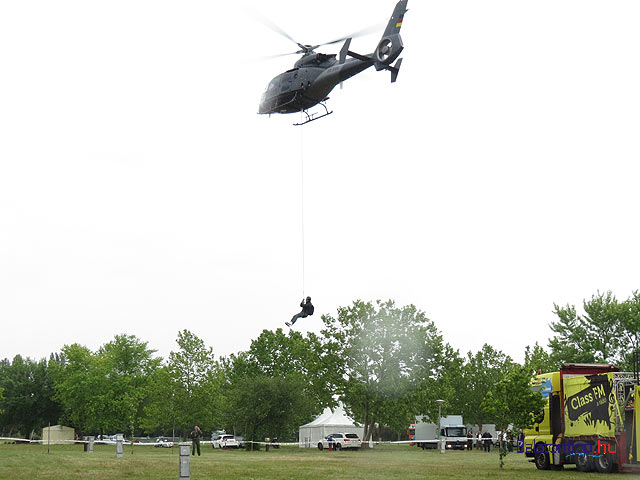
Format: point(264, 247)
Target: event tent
point(328, 422)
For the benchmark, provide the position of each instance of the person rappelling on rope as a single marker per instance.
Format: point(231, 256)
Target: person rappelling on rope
point(307, 309)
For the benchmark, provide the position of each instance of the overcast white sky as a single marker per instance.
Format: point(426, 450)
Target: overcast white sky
point(140, 192)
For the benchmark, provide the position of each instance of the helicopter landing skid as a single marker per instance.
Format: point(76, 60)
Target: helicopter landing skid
point(312, 117)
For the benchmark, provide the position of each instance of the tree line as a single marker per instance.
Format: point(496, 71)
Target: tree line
point(384, 362)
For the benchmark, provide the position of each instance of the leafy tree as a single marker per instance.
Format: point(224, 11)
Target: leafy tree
point(105, 392)
point(463, 383)
point(511, 401)
point(384, 352)
point(608, 332)
point(445, 380)
point(276, 354)
point(129, 364)
point(27, 405)
point(537, 359)
point(160, 411)
point(630, 329)
point(266, 406)
point(569, 344)
point(303, 363)
point(187, 391)
point(481, 372)
point(80, 388)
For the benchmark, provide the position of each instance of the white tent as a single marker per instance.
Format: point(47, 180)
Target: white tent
point(329, 422)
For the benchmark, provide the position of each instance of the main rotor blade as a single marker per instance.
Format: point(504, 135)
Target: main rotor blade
point(359, 33)
point(272, 26)
point(304, 48)
point(269, 57)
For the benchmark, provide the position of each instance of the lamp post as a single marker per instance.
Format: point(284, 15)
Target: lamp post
point(440, 444)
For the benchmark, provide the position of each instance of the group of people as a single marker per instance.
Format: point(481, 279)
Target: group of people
point(482, 440)
point(485, 440)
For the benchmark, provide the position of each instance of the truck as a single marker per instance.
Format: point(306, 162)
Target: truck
point(452, 430)
point(590, 420)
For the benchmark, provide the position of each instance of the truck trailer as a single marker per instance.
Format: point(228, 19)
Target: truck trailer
point(590, 420)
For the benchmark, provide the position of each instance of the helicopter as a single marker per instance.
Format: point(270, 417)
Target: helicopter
point(315, 75)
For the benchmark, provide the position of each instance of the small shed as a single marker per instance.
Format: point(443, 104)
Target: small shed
point(330, 421)
point(56, 434)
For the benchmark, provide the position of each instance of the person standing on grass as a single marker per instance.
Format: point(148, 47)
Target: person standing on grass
point(520, 439)
point(195, 440)
point(486, 436)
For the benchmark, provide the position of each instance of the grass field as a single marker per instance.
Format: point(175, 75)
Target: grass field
point(387, 462)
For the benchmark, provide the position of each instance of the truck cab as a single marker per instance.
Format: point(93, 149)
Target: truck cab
point(455, 437)
point(452, 431)
point(547, 422)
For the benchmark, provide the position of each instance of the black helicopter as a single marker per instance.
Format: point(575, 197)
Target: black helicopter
point(315, 74)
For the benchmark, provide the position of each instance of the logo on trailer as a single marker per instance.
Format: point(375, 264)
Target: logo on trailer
point(591, 403)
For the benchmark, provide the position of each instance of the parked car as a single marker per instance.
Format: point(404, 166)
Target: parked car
point(226, 441)
point(162, 442)
point(340, 441)
point(216, 435)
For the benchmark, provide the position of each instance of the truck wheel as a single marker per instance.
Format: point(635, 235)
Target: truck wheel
point(541, 457)
point(604, 464)
point(320, 447)
point(584, 462)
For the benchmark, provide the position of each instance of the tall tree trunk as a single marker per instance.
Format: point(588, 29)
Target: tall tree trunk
point(367, 429)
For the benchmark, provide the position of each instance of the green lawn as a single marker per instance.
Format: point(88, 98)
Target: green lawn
point(385, 462)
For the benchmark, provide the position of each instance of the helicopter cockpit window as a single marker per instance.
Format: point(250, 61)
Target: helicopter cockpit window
point(273, 85)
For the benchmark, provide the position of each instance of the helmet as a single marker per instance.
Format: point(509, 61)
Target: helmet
point(308, 299)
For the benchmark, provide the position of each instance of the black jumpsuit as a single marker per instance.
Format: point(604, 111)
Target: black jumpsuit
point(307, 309)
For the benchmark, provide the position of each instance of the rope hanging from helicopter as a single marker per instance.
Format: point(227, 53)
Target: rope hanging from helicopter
point(302, 200)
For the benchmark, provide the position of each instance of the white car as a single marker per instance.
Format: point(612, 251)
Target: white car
point(340, 441)
point(163, 443)
point(226, 441)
